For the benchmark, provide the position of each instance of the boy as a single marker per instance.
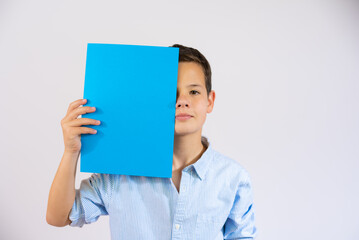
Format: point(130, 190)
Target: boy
point(208, 197)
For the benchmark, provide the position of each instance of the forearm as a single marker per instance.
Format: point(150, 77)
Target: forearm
point(62, 192)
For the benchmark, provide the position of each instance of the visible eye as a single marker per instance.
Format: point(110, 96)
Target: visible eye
point(194, 91)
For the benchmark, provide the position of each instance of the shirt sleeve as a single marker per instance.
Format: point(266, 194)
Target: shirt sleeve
point(91, 200)
point(240, 222)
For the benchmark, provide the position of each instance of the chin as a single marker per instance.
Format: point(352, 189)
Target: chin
point(180, 134)
point(184, 131)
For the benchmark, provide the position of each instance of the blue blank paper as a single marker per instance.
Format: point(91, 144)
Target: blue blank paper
point(134, 91)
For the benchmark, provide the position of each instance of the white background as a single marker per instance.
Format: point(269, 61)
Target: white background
point(287, 107)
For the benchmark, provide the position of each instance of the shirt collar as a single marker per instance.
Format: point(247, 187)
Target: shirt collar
point(202, 164)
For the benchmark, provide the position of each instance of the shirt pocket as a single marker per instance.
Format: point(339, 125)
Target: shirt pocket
point(209, 227)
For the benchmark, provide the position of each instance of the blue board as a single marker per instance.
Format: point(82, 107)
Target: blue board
point(133, 88)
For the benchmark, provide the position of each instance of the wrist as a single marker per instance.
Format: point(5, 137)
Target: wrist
point(71, 153)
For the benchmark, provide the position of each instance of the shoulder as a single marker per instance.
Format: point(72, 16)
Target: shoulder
point(101, 180)
point(222, 163)
point(101, 177)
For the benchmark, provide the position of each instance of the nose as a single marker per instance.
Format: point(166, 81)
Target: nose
point(182, 102)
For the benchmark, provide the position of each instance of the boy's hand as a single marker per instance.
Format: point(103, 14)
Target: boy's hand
point(71, 125)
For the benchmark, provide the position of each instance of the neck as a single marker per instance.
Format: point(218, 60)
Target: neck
point(187, 150)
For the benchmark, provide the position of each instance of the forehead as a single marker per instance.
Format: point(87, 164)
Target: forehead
point(190, 73)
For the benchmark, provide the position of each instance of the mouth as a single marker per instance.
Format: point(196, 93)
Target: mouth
point(183, 117)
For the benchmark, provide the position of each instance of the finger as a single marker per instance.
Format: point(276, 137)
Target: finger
point(79, 111)
point(76, 104)
point(83, 121)
point(83, 130)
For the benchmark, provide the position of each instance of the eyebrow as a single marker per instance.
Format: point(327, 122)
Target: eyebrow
point(194, 85)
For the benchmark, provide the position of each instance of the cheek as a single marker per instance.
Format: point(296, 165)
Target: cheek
point(202, 108)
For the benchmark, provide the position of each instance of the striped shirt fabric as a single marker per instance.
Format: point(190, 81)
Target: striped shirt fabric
point(215, 201)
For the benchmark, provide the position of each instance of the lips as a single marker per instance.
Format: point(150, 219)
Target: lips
point(183, 116)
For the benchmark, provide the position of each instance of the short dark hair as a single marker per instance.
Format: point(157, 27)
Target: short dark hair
point(188, 54)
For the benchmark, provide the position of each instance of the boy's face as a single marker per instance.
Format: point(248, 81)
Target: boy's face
point(192, 100)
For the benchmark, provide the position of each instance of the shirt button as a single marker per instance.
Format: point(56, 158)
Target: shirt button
point(177, 226)
point(183, 189)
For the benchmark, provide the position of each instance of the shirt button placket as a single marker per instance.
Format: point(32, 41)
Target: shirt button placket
point(181, 205)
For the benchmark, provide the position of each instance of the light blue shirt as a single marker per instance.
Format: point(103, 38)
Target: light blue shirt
point(215, 201)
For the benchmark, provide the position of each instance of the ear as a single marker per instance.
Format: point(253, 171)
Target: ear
point(211, 97)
